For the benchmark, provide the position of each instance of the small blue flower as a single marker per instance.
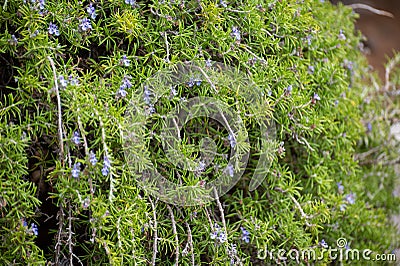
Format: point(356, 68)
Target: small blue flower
point(62, 82)
point(76, 138)
point(76, 170)
point(106, 166)
point(146, 95)
point(222, 3)
point(73, 81)
point(24, 223)
point(336, 103)
point(245, 234)
point(236, 34)
point(34, 229)
point(232, 140)
point(316, 97)
point(91, 10)
point(230, 170)
point(198, 82)
point(323, 244)
point(340, 187)
point(222, 237)
point(92, 158)
point(125, 61)
point(350, 198)
point(208, 62)
point(131, 2)
point(122, 93)
point(53, 29)
point(342, 207)
point(126, 83)
point(174, 92)
point(13, 41)
point(288, 90)
point(311, 69)
point(213, 235)
point(85, 24)
point(190, 82)
point(341, 35)
point(369, 127)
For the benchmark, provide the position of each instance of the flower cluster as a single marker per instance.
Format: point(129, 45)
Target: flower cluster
point(232, 140)
point(218, 234)
point(193, 82)
point(236, 34)
point(323, 244)
point(125, 61)
point(92, 158)
point(288, 90)
point(85, 25)
point(230, 170)
point(13, 41)
point(53, 29)
point(245, 234)
point(36, 5)
point(106, 166)
point(340, 187)
point(131, 2)
point(76, 138)
point(126, 84)
point(91, 10)
point(76, 170)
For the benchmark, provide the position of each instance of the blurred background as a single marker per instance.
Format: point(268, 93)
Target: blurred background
point(382, 32)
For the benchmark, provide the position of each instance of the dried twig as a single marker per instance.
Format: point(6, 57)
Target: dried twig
point(60, 131)
point(171, 213)
point(371, 9)
point(155, 251)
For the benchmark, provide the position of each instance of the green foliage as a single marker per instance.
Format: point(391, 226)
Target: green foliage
point(62, 106)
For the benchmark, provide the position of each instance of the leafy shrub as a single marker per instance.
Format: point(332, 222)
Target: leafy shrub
point(71, 70)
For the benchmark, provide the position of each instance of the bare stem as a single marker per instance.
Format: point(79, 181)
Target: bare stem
point(60, 131)
point(153, 261)
point(171, 213)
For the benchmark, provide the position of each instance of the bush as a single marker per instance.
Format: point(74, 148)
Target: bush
point(72, 71)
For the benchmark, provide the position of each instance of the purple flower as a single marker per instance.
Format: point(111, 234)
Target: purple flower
point(311, 69)
point(76, 170)
point(53, 29)
point(208, 63)
point(198, 82)
point(222, 237)
point(222, 3)
point(190, 82)
point(230, 170)
point(86, 203)
point(316, 97)
point(73, 81)
point(350, 198)
point(288, 90)
point(245, 235)
point(341, 35)
point(122, 93)
point(201, 166)
point(323, 244)
point(13, 40)
point(91, 11)
point(76, 138)
point(369, 127)
point(236, 34)
point(106, 166)
point(85, 24)
point(340, 187)
point(342, 207)
point(125, 61)
point(24, 223)
point(146, 95)
point(34, 229)
point(92, 158)
point(232, 140)
point(62, 81)
point(126, 83)
point(336, 103)
point(131, 2)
